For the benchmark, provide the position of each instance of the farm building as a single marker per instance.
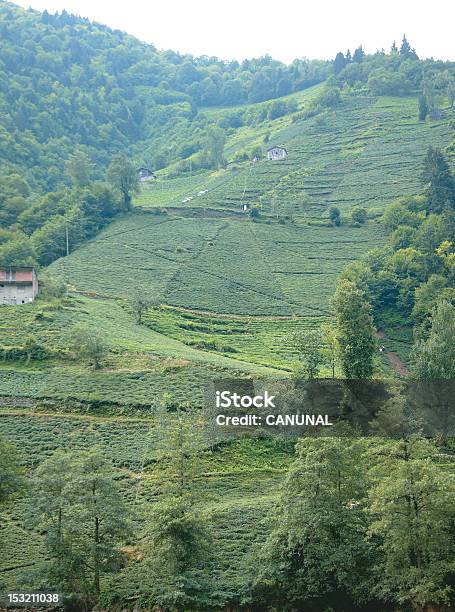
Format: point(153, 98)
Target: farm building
point(275, 153)
point(18, 285)
point(145, 174)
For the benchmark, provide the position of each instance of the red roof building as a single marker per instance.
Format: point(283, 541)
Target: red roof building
point(18, 285)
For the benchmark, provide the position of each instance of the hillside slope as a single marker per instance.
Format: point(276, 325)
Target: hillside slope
point(217, 271)
point(226, 291)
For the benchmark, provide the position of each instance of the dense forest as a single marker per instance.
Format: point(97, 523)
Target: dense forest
point(67, 82)
point(405, 279)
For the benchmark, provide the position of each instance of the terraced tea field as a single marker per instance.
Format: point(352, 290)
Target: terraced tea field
point(223, 266)
point(232, 289)
point(238, 486)
point(261, 340)
point(366, 152)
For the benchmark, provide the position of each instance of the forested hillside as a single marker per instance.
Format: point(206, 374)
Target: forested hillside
point(76, 95)
point(334, 262)
point(66, 82)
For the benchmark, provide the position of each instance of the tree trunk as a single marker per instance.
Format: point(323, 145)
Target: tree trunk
point(96, 562)
point(59, 528)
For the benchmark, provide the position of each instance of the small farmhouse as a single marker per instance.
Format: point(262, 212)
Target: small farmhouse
point(276, 153)
point(145, 174)
point(18, 285)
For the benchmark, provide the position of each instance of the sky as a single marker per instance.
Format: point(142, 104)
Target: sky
point(285, 29)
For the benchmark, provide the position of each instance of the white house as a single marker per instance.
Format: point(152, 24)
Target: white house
point(145, 174)
point(276, 153)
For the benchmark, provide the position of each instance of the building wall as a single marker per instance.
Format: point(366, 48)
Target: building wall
point(12, 274)
point(15, 293)
point(276, 153)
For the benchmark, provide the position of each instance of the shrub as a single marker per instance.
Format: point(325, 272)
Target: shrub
point(254, 212)
point(359, 215)
point(335, 215)
point(330, 98)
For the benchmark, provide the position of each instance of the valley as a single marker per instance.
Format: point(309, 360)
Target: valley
point(223, 265)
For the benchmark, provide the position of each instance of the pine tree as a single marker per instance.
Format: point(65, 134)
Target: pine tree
point(339, 62)
point(405, 49)
point(440, 184)
point(359, 54)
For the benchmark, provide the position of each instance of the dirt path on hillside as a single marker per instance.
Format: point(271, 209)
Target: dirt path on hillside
point(393, 358)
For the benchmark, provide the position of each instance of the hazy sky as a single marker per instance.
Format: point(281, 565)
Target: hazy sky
point(285, 29)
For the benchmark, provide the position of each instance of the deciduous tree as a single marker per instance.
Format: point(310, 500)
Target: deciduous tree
point(308, 346)
point(11, 474)
point(178, 550)
point(123, 176)
point(411, 503)
point(78, 505)
point(355, 331)
point(335, 215)
point(89, 344)
point(317, 550)
point(79, 168)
